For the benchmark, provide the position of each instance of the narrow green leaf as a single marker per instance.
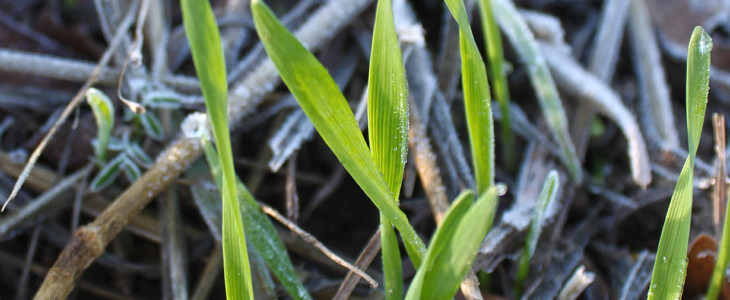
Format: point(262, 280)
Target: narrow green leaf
point(667, 280)
point(107, 174)
point(515, 28)
point(103, 110)
point(477, 100)
point(161, 99)
point(137, 154)
point(495, 56)
point(454, 246)
point(388, 130)
point(152, 126)
point(324, 104)
point(205, 45)
point(261, 232)
point(547, 195)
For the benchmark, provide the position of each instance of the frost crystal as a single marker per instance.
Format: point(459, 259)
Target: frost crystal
point(196, 125)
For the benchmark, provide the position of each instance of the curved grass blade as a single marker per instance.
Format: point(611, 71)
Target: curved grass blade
point(668, 276)
point(107, 174)
point(477, 100)
point(103, 110)
point(547, 195)
point(324, 104)
point(454, 246)
point(524, 43)
point(495, 55)
point(388, 130)
point(261, 232)
point(205, 45)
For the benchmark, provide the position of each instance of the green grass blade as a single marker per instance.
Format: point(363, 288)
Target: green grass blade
point(388, 130)
point(441, 237)
point(524, 43)
point(495, 55)
point(261, 232)
point(477, 100)
point(667, 279)
point(454, 246)
point(324, 104)
point(547, 195)
point(205, 45)
point(103, 110)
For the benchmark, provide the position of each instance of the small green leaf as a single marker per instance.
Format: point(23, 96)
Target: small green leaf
point(667, 280)
point(131, 170)
point(107, 174)
point(152, 126)
point(477, 100)
point(137, 154)
point(547, 195)
point(103, 110)
point(205, 46)
point(161, 99)
point(324, 104)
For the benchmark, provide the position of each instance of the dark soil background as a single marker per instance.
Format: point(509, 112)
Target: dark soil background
point(608, 224)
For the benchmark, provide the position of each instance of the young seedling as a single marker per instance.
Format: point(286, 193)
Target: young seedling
point(547, 195)
point(324, 104)
point(667, 280)
point(205, 45)
point(388, 131)
point(495, 55)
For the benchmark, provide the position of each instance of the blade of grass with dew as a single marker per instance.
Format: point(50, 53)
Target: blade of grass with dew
point(388, 130)
point(103, 110)
point(667, 280)
point(324, 104)
point(477, 100)
point(547, 195)
point(205, 46)
point(261, 232)
point(455, 245)
point(723, 257)
point(495, 55)
point(521, 37)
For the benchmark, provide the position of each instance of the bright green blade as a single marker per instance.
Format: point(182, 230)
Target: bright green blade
point(495, 56)
point(515, 28)
point(324, 104)
point(388, 130)
point(547, 195)
point(205, 45)
point(261, 233)
point(668, 276)
point(454, 246)
point(477, 100)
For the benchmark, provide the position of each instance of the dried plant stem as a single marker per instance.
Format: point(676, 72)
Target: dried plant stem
point(76, 70)
point(719, 198)
point(121, 32)
point(575, 80)
point(207, 280)
point(89, 241)
point(312, 240)
point(366, 257)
